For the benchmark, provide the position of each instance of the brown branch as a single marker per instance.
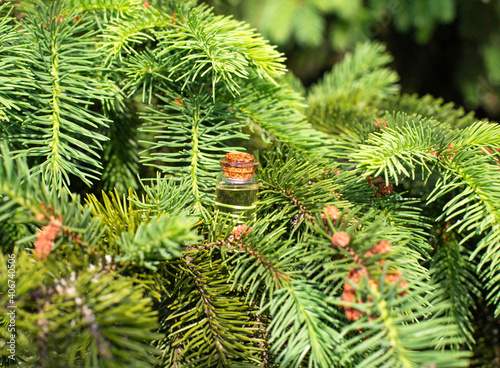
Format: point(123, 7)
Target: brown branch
point(233, 241)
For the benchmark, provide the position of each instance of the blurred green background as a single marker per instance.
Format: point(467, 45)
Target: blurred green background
point(448, 48)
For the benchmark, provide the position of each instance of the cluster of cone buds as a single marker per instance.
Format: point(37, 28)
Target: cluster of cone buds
point(341, 240)
point(45, 238)
point(379, 183)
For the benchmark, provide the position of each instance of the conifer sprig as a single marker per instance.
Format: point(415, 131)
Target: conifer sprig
point(208, 325)
point(107, 10)
point(15, 80)
point(63, 130)
point(395, 340)
point(219, 47)
point(457, 277)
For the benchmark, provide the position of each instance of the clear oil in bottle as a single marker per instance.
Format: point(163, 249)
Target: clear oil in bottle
point(236, 190)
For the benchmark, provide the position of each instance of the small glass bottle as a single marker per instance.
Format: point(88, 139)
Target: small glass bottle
point(236, 190)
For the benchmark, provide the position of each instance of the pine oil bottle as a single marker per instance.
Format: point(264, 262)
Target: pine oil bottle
point(236, 190)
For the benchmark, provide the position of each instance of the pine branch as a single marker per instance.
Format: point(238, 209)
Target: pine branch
point(353, 258)
point(121, 37)
point(107, 10)
point(265, 267)
point(353, 244)
point(117, 214)
point(389, 337)
point(406, 144)
point(164, 195)
point(63, 128)
point(367, 262)
point(205, 324)
point(402, 213)
point(429, 107)
point(303, 326)
point(63, 220)
point(469, 177)
point(256, 256)
point(278, 112)
point(406, 217)
point(333, 270)
point(456, 277)
point(200, 44)
point(145, 73)
point(465, 171)
point(352, 88)
point(15, 79)
point(294, 188)
point(480, 134)
point(156, 241)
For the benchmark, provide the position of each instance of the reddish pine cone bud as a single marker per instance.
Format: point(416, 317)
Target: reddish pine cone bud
point(386, 189)
point(238, 232)
point(395, 276)
point(382, 246)
point(351, 313)
point(332, 212)
point(348, 295)
point(340, 239)
point(355, 275)
point(380, 122)
point(45, 238)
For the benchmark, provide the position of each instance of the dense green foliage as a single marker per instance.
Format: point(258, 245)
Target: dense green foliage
point(376, 241)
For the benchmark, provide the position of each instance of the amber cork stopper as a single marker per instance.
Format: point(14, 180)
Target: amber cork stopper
point(238, 167)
